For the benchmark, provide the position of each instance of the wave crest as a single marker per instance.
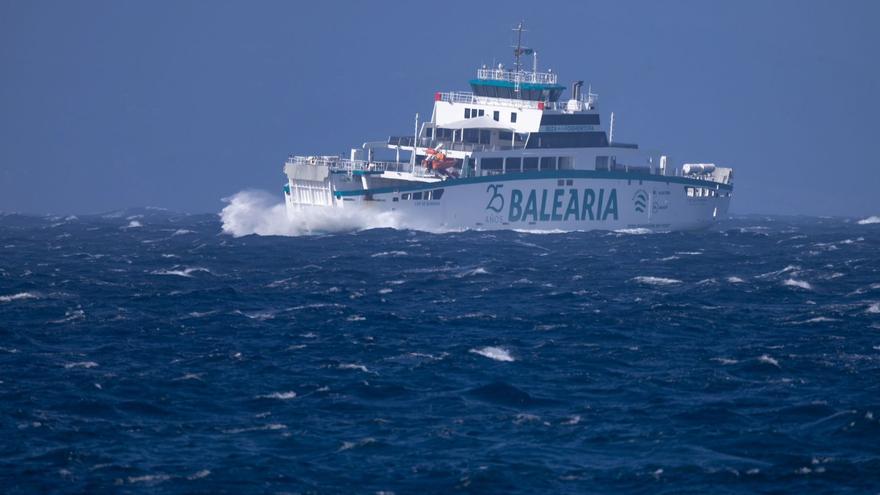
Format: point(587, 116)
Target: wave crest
point(258, 212)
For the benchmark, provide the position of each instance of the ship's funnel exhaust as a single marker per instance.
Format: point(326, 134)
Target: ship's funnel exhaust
point(576, 90)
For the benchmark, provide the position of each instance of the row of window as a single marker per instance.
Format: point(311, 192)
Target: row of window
point(526, 164)
point(701, 192)
point(434, 194)
point(472, 113)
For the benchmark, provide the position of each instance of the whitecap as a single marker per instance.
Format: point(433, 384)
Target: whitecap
point(355, 318)
point(19, 297)
point(182, 232)
point(470, 273)
point(279, 395)
point(496, 353)
point(186, 272)
point(389, 253)
point(801, 284)
point(199, 474)
point(350, 366)
point(385, 291)
point(634, 231)
point(268, 427)
point(818, 319)
point(735, 280)
point(656, 280)
point(69, 316)
point(870, 220)
point(359, 443)
point(149, 478)
point(81, 364)
point(133, 224)
point(573, 420)
point(724, 361)
point(874, 308)
point(764, 358)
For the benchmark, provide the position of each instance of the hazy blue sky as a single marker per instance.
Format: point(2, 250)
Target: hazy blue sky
point(177, 104)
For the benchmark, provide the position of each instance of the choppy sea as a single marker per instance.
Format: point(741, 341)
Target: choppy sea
point(146, 351)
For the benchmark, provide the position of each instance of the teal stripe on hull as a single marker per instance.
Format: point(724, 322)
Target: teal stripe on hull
point(554, 174)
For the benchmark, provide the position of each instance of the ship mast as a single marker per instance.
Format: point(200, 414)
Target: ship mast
point(518, 50)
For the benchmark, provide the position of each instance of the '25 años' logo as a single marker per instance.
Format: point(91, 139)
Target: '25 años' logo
point(495, 196)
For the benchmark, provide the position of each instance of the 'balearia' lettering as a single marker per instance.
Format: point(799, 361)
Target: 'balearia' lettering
point(580, 205)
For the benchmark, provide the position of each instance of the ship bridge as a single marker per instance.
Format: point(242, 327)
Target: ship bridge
point(516, 84)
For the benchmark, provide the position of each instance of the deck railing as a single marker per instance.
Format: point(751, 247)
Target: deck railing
point(586, 102)
point(340, 164)
point(517, 77)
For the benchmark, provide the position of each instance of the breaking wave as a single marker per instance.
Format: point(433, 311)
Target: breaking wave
point(869, 221)
point(496, 353)
point(258, 212)
point(656, 280)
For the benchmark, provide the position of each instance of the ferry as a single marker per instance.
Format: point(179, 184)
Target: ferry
point(512, 153)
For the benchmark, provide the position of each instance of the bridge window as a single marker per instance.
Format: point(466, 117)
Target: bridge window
point(496, 115)
point(417, 195)
point(437, 194)
point(530, 163)
point(513, 117)
point(467, 113)
point(482, 113)
point(548, 163)
point(566, 163)
point(513, 165)
point(492, 163)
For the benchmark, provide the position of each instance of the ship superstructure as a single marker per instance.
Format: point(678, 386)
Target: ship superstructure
point(513, 154)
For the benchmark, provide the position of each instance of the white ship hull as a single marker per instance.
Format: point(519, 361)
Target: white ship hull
point(552, 201)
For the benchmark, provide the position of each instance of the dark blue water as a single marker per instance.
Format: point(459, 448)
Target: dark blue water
point(150, 352)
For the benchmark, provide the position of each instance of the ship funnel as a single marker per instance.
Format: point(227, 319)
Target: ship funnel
point(576, 90)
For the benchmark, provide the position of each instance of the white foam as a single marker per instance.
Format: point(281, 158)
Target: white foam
point(656, 280)
point(19, 297)
point(359, 443)
point(260, 213)
point(81, 364)
point(349, 366)
point(199, 474)
point(183, 232)
point(820, 319)
point(268, 427)
point(134, 224)
point(389, 253)
point(735, 280)
point(801, 284)
point(470, 273)
point(186, 272)
point(764, 358)
point(279, 395)
point(725, 361)
point(634, 231)
point(496, 353)
point(870, 220)
point(150, 478)
point(874, 308)
point(572, 420)
point(74, 315)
